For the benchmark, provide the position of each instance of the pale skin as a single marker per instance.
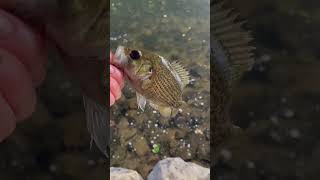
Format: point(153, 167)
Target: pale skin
point(23, 58)
point(116, 81)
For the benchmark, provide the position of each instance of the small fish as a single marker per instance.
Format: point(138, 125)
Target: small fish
point(155, 79)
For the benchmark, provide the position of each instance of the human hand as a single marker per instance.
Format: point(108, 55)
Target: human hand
point(22, 69)
point(116, 81)
point(22, 58)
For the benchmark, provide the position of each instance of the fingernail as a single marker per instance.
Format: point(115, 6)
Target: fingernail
point(6, 26)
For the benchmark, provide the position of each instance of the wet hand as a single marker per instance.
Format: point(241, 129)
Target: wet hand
point(116, 81)
point(22, 69)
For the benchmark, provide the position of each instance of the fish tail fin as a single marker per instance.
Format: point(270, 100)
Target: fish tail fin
point(98, 124)
point(232, 41)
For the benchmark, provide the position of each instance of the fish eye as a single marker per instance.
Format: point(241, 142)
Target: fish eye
point(135, 55)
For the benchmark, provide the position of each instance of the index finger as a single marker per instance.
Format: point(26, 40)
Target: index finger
point(25, 43)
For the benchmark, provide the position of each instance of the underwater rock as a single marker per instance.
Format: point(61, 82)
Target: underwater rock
point(140, 119)
point(141, 146)
point(72, 164)
point(75, 133)
point(132, 113)
point(119, 153)
point(145, 170)
point(176, 168)
point(180, 133)
point(204, 151)
point(133, 103)
point(125, 131)
point(124, 174)
point(41, 117)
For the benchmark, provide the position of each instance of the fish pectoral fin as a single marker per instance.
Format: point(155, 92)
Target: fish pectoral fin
point(141, 101)
point(98, 124)
point(165, 111)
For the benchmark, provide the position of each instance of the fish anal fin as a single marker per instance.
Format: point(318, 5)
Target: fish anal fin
point(141, 101)
point(98, 124)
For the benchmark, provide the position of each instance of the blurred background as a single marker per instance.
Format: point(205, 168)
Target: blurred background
point(278, 103)
point(54, 142)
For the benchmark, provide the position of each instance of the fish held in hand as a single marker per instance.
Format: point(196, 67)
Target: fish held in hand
point(155, 79)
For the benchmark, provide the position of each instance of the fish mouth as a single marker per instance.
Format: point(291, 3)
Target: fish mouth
point(121, 57)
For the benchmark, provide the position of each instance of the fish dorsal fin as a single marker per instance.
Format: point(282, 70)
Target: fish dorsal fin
point(231, 43)
point(182, 72)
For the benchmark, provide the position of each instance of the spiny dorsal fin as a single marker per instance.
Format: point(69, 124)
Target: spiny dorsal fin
point(233, 40)
point(182, 72)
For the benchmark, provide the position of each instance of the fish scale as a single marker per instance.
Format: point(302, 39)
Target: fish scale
point(155, 80)
point(164, 87)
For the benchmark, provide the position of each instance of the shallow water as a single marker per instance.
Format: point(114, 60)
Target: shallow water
point(177, 30)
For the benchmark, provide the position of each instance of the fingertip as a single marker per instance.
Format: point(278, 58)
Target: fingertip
point(112, 99)
point(112, 69)
point(16, 86)
point(31, 107)
point(7, 120)
point(115, 88)
point(117, 75)
point(26, 44)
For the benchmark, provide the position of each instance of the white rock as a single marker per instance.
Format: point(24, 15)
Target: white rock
point(178, 169)
point(117, 173)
